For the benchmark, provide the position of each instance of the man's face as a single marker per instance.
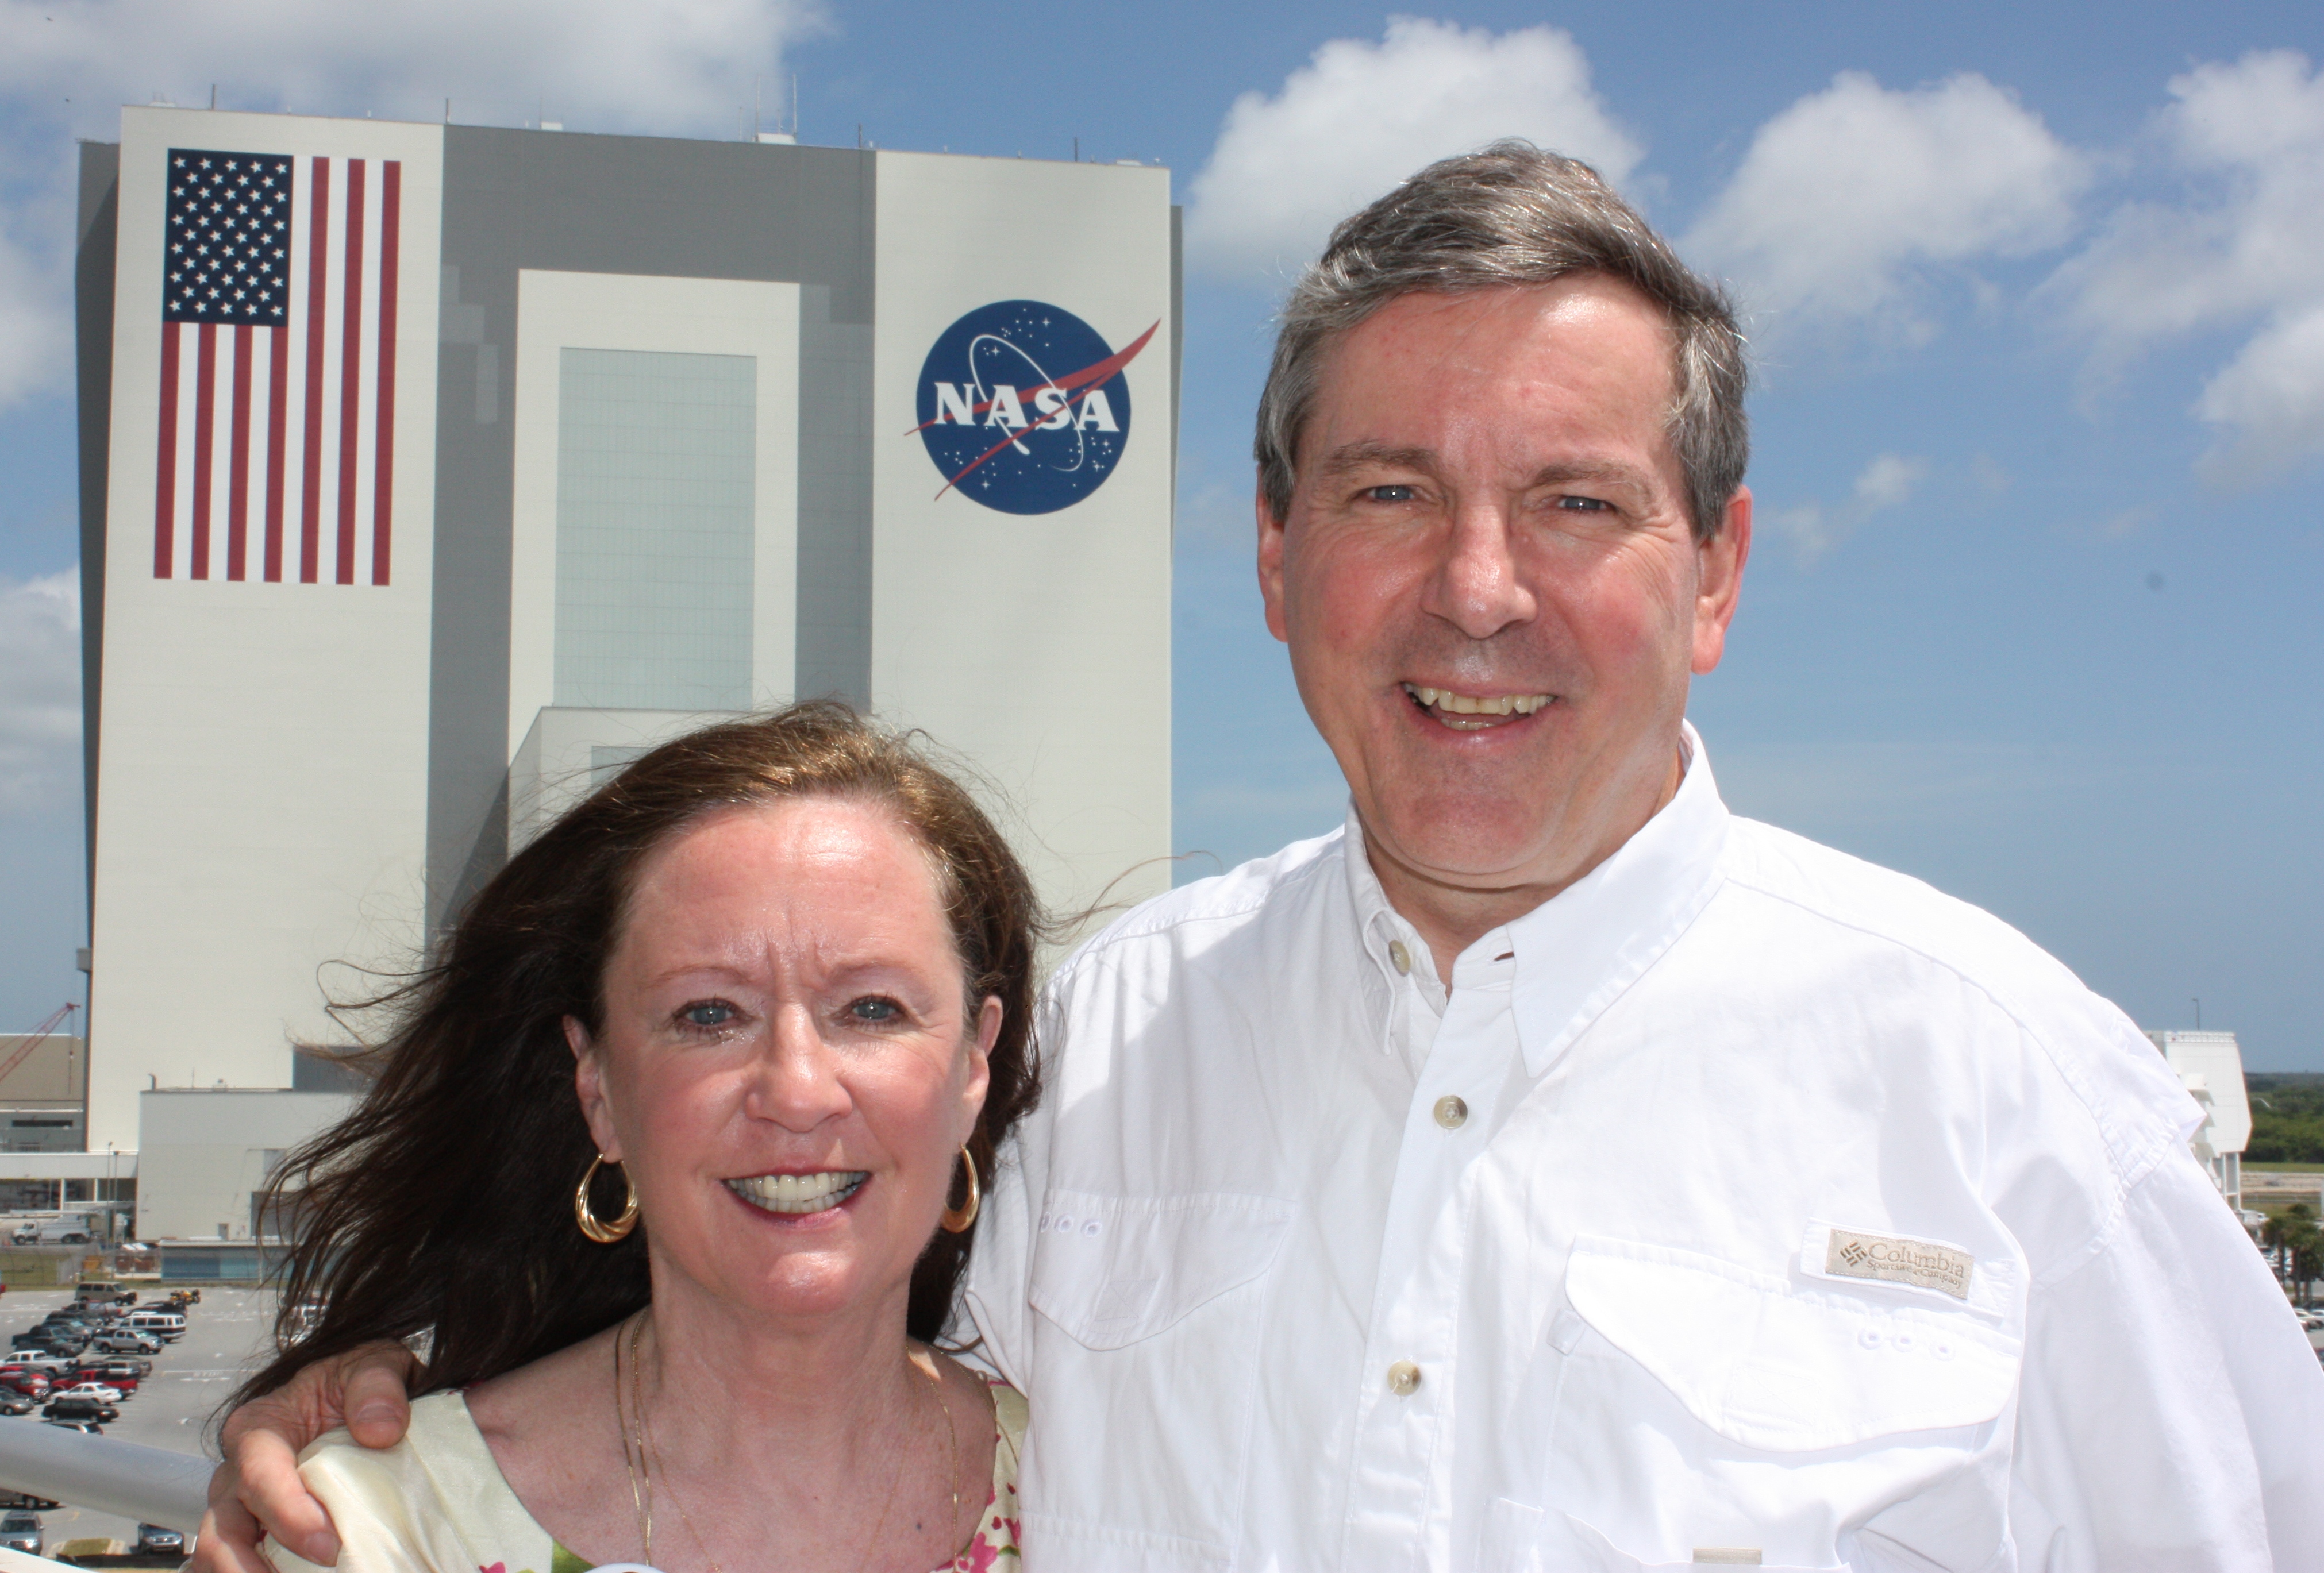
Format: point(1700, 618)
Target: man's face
point(1487, 582)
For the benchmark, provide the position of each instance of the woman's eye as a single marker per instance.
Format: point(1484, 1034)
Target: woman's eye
point(706, 1013)
point(873, 1011)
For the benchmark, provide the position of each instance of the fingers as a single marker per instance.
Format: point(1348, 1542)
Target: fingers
point(267, 1488)
point(259, 1491)
point(228, 1541)
point(374, 1394)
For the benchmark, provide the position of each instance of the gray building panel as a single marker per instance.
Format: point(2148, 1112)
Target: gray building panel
point(572, 203)
point(100, 187)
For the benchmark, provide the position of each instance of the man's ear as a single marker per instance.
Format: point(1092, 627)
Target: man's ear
point(1719, 581)
point(1270, 563)
point(589, 1087)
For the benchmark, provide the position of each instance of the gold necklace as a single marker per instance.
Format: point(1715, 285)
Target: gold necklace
point(640, 1466)
point(641, 1482)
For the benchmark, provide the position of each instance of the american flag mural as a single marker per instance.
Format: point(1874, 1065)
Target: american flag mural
point(277, 450)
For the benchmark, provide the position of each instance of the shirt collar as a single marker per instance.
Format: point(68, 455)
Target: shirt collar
point(1381, 925)
point(1579, 951)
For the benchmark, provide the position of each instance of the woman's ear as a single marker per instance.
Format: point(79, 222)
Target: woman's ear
point(980, 1056)
point(589, 1086)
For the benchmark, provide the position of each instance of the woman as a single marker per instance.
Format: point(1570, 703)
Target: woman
point(674, 1162)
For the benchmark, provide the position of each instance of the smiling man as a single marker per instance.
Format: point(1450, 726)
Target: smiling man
point(1548, 1170)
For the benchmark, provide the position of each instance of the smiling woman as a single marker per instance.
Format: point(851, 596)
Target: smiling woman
point(776, 976)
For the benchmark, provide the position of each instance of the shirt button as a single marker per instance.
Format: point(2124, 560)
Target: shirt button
point(1450, 1112)
point(1404, 1378)
point(1402, 957)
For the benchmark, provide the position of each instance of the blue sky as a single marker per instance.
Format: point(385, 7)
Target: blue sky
point(2038, 300)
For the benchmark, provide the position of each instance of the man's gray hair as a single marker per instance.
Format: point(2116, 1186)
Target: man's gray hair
point(1512, 215)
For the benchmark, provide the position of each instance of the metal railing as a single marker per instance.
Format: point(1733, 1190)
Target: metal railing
point(148, 1485)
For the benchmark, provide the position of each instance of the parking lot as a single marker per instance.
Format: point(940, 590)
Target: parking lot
point(226, 1335)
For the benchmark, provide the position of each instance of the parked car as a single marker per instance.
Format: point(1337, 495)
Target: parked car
point(91, 1426)
point(21, 1532)
point(12, 1403)
point(30, 1384)
point(126, 1341)
point(157, 1541)
point(95, 1392)
point(121, 1374)
point(167, 1325)
point(78, 1409)
point(45, 1360)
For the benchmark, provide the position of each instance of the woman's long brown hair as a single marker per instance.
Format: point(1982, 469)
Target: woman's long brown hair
point(443, 1204)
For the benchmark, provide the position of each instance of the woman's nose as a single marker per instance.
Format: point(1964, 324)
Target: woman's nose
point(797, 1082)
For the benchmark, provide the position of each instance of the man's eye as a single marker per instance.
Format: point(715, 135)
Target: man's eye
point(707, 1013)
point(1574, 504)
point(873, 1010)
point(1391, 493)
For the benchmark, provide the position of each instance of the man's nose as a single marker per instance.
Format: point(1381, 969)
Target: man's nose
point(796, 1082)
point(1476, 586)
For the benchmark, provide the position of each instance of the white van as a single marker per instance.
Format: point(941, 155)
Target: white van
point(161, 1324)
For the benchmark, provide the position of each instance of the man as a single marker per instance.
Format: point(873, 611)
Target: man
point(1548, 1170)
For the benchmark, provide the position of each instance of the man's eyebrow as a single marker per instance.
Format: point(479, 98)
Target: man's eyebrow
point(1602, 474)
point(1364, 456)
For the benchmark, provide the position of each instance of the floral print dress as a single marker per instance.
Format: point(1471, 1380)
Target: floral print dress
point(436, 1503)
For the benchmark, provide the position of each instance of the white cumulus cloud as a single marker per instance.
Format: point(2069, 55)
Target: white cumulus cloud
point(66, 69)
point(1846, 199)
point(1888, 482)
point(40, 688)
point(2239, 250)
point(1360, 116)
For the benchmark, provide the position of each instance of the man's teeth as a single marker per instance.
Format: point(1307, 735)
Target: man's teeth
point(1472, 705)
point(799, 1192)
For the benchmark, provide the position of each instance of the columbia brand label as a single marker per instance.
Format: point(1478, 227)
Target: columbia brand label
point(1892, 1260)
point(1024, 407)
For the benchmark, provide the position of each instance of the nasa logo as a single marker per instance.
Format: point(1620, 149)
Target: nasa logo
point(1024, 407)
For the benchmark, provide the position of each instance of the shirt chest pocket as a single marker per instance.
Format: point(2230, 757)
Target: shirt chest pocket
point(1151, 1310)
point(1702, 1403)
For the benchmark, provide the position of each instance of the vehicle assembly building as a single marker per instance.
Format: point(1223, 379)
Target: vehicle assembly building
point(430, 473)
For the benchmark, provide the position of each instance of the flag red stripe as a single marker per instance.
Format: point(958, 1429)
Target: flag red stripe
point(205, 441)
point(238, 510)
point(391, 192)
point(278, 409)
point(165, 462)
point(319, 235)
point(350, 372)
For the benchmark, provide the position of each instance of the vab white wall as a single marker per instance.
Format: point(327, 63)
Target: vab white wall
point(1037, 646)
point(263, 747)
point(2210, 1065)
point(207, 1152)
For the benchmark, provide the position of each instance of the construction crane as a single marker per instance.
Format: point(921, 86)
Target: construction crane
point(32, 1039)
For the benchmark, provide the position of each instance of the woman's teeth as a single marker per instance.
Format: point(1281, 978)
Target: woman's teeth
point(799, 1192)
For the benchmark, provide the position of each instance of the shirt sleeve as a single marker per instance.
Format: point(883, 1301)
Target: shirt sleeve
point(386, 1509)
point(2171, 1415)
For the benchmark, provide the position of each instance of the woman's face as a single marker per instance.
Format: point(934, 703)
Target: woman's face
point(788, 1066)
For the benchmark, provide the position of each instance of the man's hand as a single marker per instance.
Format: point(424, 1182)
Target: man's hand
point(257, 1490)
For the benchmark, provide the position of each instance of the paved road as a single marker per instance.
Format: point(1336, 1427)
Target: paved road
point(225, 1336)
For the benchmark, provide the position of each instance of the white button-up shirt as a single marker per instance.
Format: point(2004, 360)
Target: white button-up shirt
point(1789, 1212)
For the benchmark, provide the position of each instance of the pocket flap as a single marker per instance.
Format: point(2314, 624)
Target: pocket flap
point(1785, 1369)
point(1111, 1270)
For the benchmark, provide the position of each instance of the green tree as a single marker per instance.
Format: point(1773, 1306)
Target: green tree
point(2295, 1246)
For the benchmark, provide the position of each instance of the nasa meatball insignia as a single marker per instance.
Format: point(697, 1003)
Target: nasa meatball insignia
point(1023, 407)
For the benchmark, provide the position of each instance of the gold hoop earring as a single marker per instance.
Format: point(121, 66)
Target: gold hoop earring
point(596, 1228)
point(956, 1221)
